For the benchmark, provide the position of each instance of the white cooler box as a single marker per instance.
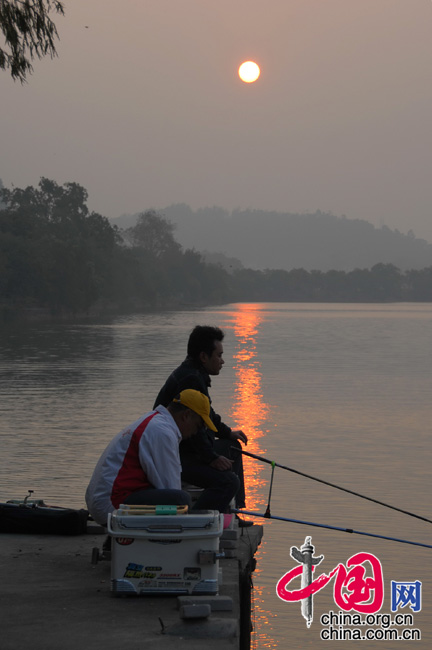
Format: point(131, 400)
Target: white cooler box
point(163, 550)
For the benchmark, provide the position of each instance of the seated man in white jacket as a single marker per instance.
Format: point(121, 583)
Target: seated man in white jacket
point(141, 465)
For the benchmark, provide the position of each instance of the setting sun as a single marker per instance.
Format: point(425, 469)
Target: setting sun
point(249, 72)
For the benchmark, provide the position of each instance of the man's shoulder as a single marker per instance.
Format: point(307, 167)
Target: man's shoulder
point(186, 375)
point(163, 420)
point(189, 367)
point(189, 375)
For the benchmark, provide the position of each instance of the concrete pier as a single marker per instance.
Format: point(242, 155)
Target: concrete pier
point(54, 598)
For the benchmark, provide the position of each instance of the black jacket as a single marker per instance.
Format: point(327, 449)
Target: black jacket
point(192, 375)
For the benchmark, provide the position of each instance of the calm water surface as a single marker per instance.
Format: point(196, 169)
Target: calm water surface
point(340, 392)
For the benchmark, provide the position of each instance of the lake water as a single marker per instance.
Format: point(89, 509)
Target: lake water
point(339, 392)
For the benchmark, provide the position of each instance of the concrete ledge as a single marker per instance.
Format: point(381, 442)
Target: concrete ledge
point(213, 628)
point(230, 533)
point(216, 603)
point(53, 597)
point(228, 543)
point(195, 610)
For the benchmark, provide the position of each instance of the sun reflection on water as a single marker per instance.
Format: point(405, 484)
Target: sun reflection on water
point(250, 413)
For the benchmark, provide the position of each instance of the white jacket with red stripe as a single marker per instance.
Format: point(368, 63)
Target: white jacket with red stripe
point(145, 454)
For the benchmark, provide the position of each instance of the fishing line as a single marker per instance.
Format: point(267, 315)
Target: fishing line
point(338, 487)
point(267, 512)
point(343, 530)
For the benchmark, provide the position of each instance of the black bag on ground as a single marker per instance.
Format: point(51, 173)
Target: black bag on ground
point(42, 520)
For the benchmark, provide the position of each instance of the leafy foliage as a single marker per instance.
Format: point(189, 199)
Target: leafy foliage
point(153, 234)
point(29, 33)
point(54, 252)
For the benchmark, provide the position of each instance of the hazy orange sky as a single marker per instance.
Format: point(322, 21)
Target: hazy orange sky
point(144, 108)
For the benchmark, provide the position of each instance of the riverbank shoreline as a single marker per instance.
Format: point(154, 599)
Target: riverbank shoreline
point(95, 315)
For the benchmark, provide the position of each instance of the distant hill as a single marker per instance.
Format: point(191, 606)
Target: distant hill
point(274, 240)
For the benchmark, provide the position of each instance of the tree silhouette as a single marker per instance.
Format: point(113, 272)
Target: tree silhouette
point(54, 252)
point(154, 234)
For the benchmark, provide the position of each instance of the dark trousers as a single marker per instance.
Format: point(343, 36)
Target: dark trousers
point(220, 487)
point(225, 448)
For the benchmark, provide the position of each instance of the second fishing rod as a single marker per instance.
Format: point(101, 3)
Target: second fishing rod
point(333, 485)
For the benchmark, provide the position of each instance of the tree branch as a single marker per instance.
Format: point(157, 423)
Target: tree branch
point(29, 33)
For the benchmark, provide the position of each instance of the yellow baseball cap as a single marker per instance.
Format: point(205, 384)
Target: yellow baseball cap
point(197, 402)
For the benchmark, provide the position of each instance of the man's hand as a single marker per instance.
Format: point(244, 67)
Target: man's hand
point(238, 434)
point(221, 463)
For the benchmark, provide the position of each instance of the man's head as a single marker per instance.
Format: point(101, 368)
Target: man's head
point(205, 347)
point(191, 411)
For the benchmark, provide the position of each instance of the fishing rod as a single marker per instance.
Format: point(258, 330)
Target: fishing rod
point(338, 487)
point(343, 530)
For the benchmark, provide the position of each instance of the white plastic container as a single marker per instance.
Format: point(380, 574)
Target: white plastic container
point(164, 553)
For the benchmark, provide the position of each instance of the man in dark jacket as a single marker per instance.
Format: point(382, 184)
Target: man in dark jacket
point(207, 462)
